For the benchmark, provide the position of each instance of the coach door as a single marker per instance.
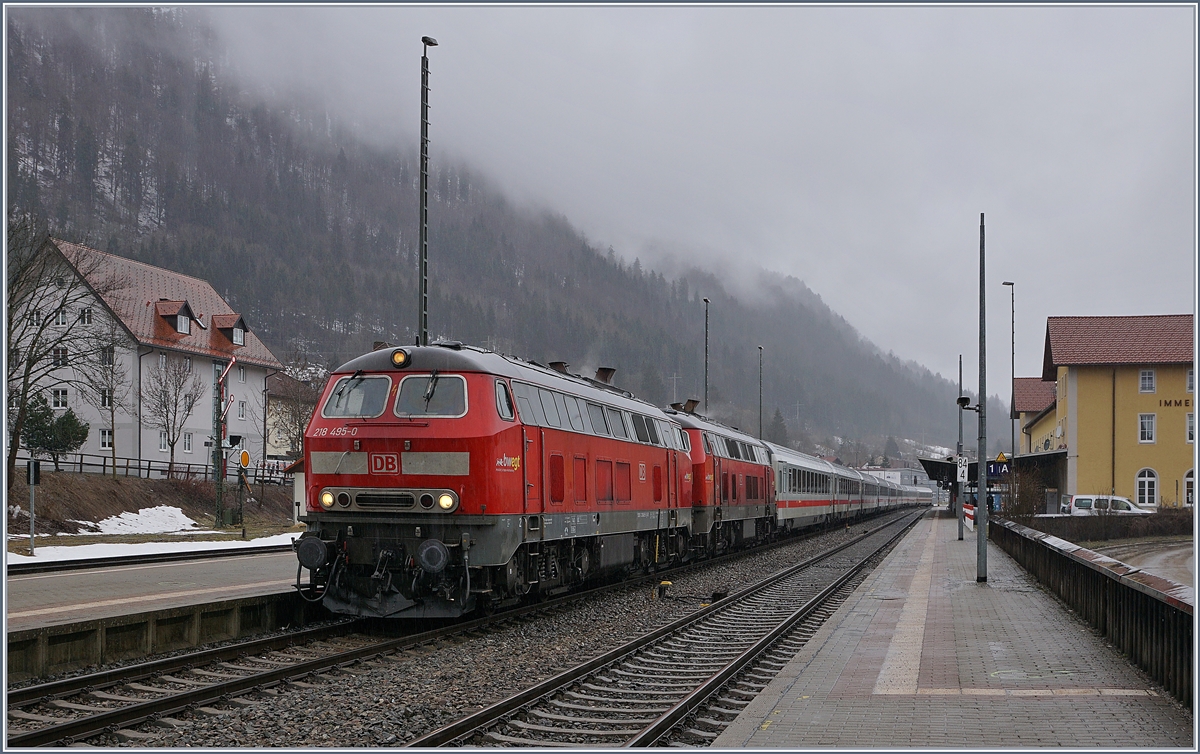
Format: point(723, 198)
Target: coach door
point(532, 464)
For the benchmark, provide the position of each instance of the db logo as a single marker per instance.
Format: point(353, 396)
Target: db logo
point(384, 463)
point(641, 472)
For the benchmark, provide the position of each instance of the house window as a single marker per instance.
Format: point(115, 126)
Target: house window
point(106, 439)
point(1191, 427)
point(85, 316)
point(1147, 487)
point(1146, 427)
point(58, 357)
point(241, 374)
point(187, 442)
point(108, 355)
point(241, 409)
point(1146, 383)
point(60, 317)
point(106, 398)
point(183, 323)
point(162, 441)
point(58, 398)
point(1191, 381)
point(162, 361)
point(34, 317)
point(239, 336)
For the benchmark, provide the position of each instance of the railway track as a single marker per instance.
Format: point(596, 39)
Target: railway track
point(679, 683)
point(119, 700)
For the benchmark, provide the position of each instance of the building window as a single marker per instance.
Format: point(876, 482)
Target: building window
point(162, 441)
point(58, 398)
point(1191, 427)
point(60, 317)
point(1147, 487)
point(34, 317)
point(1188, 486)
point(162, 361)
point(1191, 381)
point(106, 439)
point(108, 355)
point(187, 364)
point(1146, 427)
point(106, 398)
point(58, 357)
point(241, 409)
point(85, 316)
point(241, 374)
point(183, 323)
point(239, 336)
point(1146, 383)
point(187, 442)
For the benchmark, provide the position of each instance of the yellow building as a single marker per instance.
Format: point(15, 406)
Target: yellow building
point(1122, 420)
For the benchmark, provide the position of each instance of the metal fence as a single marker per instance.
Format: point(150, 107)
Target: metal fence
point(270, 472)
point(1147, 617)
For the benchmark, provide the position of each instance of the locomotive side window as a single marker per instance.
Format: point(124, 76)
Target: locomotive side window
point(732, 447)
point(357, 397)
point(558, 480)
point(653, 432)
point(560, 401)
point(684, 442)
point(504, 404)
point(549, 410)
point(639, 428)
point(616, 423)
point(432, 395)
point(596, 414)
point(604, 481)
point(707, 448)
point(528, 405)
point(580, 479)
point(574, 415)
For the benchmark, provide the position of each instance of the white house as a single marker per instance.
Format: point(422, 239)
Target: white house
point(163, 315)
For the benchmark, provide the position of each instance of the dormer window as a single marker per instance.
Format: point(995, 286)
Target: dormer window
point(239, 336)
point(183, 323)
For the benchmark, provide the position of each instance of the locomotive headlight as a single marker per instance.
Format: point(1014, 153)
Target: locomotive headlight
point(326, 499)
point(399, 358)
point(445, 502)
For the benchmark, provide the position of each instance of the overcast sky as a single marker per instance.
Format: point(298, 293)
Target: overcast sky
point(852, 147)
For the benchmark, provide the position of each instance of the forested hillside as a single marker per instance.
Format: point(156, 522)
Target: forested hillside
point(127, 133)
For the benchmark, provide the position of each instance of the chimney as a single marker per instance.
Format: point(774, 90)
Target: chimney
point(677, 406)
point(559, 366)
point(690, 406)
point(605, 375)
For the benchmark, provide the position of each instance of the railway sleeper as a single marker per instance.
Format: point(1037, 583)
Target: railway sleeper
point(642, 680)
point(610, 700)
point(607, 710)
point(611, 690)
point(663, 673)
point(115, 697)
point(701, 734)
point(643, 721)
point(614, 733)
point(734, 702)
point(528, 742)
point(708, 721)
point(714, 709)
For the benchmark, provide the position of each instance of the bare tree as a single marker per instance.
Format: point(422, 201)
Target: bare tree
point(292, 403)
point(171, 394)
point(104, 380)
point(51, 299)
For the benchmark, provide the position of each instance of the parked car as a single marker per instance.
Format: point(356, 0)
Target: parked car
point(1091, 505)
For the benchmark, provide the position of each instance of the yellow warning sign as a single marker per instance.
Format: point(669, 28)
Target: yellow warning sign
point(1001, 458)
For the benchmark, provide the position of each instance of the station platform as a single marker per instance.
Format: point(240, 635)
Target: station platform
point(924, 656)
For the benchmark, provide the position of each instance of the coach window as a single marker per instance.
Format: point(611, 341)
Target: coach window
point(604, 481)
point(596, 414)
point(616, 423)
point(504, 404)
point(548, 408)
point(579, 479)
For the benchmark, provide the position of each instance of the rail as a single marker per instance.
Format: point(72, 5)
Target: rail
point(269, 472)
point(1147, 617)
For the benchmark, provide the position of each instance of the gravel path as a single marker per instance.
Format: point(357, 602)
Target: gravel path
point(396, 699)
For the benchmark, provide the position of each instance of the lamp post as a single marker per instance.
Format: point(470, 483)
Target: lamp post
point(423, 331)
point(1012, 432)
point(981, 511)
point(706, 356)
point(958, 451)
point(760, 436)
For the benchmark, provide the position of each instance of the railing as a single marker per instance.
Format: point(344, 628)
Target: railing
point(270, 472)
point(1147, 617)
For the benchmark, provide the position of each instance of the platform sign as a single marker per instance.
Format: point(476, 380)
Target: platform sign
point(998, 469)
point(962, 469)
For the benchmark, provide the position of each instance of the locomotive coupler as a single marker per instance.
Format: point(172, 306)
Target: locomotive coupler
point(381, 569)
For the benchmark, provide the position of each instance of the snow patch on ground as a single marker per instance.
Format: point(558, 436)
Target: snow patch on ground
point(87, 552)
point(162, 519)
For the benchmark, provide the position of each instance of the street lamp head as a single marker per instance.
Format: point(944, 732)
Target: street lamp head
point(1008, 282)
point(963, 401)
point(706, 301)
point(429, 41)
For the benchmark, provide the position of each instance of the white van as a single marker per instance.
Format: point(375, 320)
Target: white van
point(1091, 505)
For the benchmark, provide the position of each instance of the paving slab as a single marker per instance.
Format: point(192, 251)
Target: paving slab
point(924, 656)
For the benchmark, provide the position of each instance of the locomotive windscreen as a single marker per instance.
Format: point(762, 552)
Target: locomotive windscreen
point(432, 395)
point(357, 396)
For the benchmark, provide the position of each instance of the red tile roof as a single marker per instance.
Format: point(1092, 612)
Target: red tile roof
point(1147, 339)
point(138, 303)
point(1032, 395)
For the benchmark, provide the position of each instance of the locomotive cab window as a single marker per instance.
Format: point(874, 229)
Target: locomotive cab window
point(443, 395)
point(504, 404)
point(357, 397)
